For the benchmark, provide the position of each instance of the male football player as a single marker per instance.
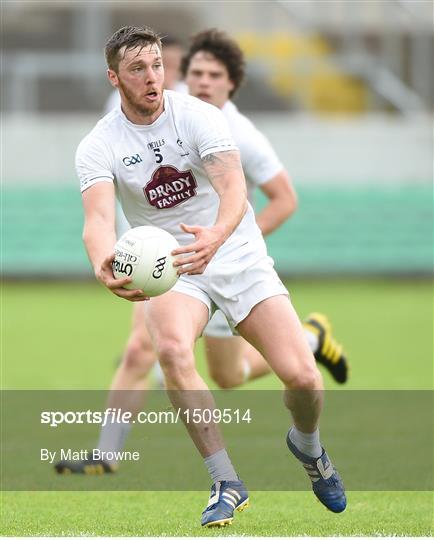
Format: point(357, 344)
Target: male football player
point(225, 265)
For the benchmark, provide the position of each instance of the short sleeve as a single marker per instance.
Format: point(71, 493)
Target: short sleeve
point(209, 130)
point(93, 162)
point(259, 160)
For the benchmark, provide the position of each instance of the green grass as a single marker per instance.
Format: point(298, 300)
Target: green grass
point(68, 336)
point(168, 514)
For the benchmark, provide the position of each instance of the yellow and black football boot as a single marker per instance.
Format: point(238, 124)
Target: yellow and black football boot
point(329, 353)
point(87, 466)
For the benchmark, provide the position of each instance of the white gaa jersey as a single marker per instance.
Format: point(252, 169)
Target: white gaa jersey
point(259, 160)
point(157, 169)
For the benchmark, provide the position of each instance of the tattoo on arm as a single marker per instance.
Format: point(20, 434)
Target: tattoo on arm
point(210, 158)
point(219, 164)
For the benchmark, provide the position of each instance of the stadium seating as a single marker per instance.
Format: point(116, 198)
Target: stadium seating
point(302, 70)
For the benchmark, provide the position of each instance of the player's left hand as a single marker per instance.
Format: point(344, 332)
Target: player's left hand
point(201, 251)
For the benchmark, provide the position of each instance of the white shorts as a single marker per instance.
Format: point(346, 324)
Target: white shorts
point(218, 326)
point(234, 283)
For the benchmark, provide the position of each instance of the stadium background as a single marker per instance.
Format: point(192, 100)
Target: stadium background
point(344, 92)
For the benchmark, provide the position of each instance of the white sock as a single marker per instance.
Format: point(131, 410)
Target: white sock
point(159, 375)
point(312, 339)
point(220, 467)
point(307, 443)
point(112, 437)
point(247, 370)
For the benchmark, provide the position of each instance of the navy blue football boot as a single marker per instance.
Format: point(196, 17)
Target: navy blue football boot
point(326, 482)
point(226, 497)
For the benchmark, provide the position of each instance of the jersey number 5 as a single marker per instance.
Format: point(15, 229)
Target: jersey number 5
point(158, 155)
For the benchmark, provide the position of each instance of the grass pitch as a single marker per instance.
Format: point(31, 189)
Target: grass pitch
point(69, 335)
point(178, 514)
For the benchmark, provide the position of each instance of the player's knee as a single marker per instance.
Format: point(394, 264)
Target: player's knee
point(138, 358)
point(225, 379)
point(305, 377)
point(169, 350)
point(175, 359)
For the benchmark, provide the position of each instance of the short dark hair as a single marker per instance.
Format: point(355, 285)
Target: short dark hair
point(130, 37)
point(223, 48)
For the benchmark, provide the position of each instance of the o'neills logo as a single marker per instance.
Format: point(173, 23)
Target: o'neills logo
point(122, 268)
point(124, 262)
point(170, 187)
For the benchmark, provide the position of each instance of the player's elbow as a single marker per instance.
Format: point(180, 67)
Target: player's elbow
point(291, 203)
point(282, 195)
point(286, 204)
point(88, 233)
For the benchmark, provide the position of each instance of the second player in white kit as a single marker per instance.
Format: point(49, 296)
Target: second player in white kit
point(260, 164)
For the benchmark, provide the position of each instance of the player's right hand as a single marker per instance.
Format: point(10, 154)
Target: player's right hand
point(105, 276)
point(197, 255)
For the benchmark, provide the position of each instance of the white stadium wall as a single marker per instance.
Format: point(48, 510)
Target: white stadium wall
point(372, 149)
